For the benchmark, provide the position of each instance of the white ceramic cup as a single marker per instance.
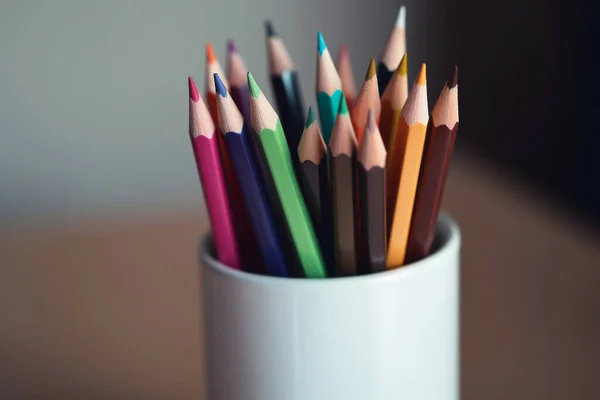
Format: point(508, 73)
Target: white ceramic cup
point(390, 335)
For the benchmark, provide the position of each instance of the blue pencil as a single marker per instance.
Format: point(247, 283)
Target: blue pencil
point(241, 152)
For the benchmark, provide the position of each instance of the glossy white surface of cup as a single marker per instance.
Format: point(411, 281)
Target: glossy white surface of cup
point(384, 336)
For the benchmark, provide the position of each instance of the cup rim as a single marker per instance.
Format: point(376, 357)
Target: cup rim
point(447, 231)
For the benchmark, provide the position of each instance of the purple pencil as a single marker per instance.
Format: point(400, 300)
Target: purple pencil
point(238, 83)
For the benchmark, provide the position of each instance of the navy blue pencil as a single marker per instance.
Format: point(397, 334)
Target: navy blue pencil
point(231, 124)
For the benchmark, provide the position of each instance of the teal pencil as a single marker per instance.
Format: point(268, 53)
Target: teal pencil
point(329, 89)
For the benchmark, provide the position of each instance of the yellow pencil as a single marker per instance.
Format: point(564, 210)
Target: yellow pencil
point(408, 149)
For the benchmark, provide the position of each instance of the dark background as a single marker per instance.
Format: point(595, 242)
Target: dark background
point(529, 86)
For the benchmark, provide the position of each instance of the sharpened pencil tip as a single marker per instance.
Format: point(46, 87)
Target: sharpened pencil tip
point(371, 71)
point(401, 20)
point(403, 66)
point(422, 78)
point(310, 118)
point(453, 79)
point(269, 28)
point(231, 48)
point(343, 50)
point(210, 53)
point(371, 123)
point(219, 86)
point(343, 109)
point(193, 90)
point(252, 86)
point(322, 45)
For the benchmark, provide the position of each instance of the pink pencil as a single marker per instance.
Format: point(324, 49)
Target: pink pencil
point(208, 160)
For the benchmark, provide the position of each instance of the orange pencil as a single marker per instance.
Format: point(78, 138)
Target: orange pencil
point(368, 98)
point(391, 105)
point(344, 67)
point(407, 154)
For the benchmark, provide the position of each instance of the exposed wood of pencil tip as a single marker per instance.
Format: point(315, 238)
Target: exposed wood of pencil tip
point(213, 67)
point(396, 91)
point(237, 69)
point(343, 138)
point(230, 117)
point(396, 44)
point(415, 108)
point(328, 79)
point(445, 110)
point(372, 151)
point(262, 114)
point(279, 58)
point(201, 124)
point(344, 67)
point(368, 96)
point(312, 146)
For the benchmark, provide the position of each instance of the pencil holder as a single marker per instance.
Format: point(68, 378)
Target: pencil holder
point(388, 335)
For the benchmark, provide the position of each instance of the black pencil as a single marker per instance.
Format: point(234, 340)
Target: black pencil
point(395, 48)
point(342, 149)
point(286, 88)
point(371, 192)
point(314, 181)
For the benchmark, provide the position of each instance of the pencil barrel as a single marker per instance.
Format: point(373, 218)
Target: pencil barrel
point(434, 170)
point(371, 189)
point(343, 188)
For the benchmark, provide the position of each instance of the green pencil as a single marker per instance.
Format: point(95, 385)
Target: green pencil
point(329, 89)
point(267, 126)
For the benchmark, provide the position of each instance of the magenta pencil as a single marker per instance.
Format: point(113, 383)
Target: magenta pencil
point(238, 83)
point(205, 145)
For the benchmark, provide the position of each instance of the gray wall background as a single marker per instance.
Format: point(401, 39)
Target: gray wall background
point(93, 96)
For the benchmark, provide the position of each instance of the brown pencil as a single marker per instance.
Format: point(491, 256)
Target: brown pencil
point(342, 148)
point(344, 67)
point(314, 181)
point(436, 160)
point(371, 188)
point(406, 156)
point(367, 99)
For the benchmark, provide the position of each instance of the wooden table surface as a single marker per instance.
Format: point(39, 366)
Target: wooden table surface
point(112, 310)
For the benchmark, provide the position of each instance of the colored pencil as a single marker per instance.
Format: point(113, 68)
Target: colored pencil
point(236, 73)
point(267, 126)
point(367, 99)
point(243, 228)
point(344, 67)
point(436, 161)
point(213, 66)
point(329, 89)
point(393, 51)
point(407, 154)
point(203, 135)
point(391, 106)
point(342, 159)
point(239, 147)
point(314, 182)
point(286, 88)
point(371, 188)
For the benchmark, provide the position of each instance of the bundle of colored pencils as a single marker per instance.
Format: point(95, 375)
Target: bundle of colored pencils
point(357, 191)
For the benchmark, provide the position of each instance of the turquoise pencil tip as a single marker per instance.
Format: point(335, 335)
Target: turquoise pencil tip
point(310, 118)
point(322, 45)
